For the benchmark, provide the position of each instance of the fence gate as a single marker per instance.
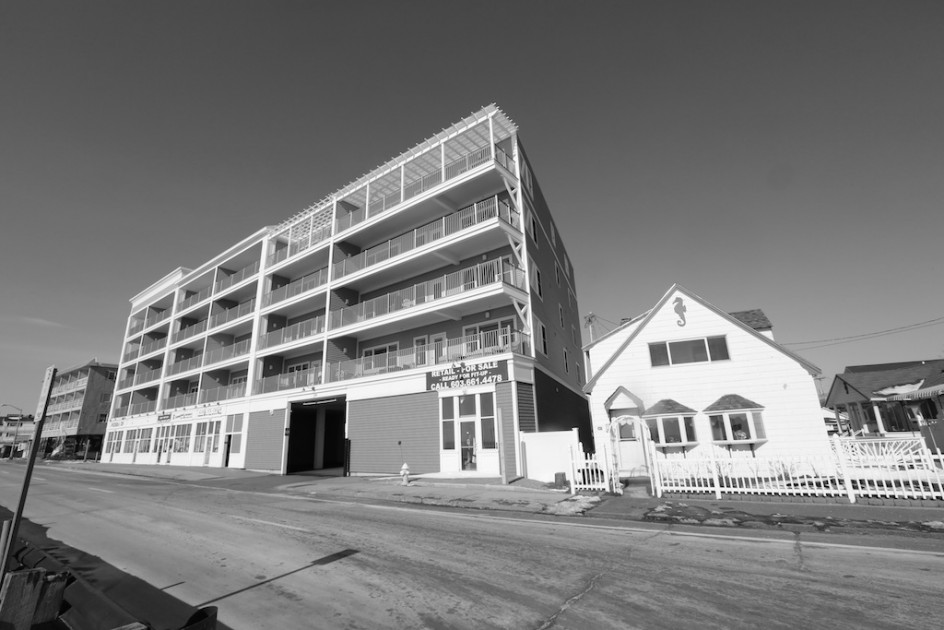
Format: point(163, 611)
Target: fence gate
point(593, 472)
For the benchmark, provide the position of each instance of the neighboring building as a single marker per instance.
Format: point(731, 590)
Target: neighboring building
point(424, 313)
point(78, 410)
point(700, 380)
point(904, 399)
point(16, 432)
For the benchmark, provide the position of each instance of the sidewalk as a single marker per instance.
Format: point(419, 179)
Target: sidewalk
point(528, 496)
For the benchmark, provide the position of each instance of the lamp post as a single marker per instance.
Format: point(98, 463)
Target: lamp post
point(16, 429)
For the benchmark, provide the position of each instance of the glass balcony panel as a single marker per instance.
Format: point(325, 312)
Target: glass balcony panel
point(301, 330)
point(289, 380)
point(235, 278)
point(296, 287)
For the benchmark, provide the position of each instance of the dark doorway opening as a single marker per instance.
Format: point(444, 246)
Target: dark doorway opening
point(316, 437)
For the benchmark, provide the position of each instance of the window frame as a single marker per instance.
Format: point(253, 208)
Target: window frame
point(685, 422)
point(754, 418)
point(666, 347)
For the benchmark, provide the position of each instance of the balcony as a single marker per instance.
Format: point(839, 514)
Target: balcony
point(184, 365)
point(227, 352)
point(142, 407)
point(297, 246)
point(291, 380)
point(136, 326)
point(199, 296)
point(70, 386)
point(301, 330)
point(130, 355)
point(181, 400)
point(227, 281)
point(463, 281)
point(190, 331)
point(422, 182)
point(153, 346)
point(429, 233)
point(147, 375)
point(222, 393)
point(296, 287)
point(125, 382)
point(157, 317)
point(230, 314)
point(460, 349)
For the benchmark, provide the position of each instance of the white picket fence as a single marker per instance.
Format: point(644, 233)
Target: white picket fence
point(590, 472)
point(902, 469)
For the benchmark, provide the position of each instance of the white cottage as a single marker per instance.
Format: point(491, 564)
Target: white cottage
point(698, 378)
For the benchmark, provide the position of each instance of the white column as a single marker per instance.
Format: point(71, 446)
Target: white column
point(878, 419)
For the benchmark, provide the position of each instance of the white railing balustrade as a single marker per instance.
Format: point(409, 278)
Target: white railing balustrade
point(468, 279)
point(184, 365)
point(225, 317)
point(301, 330)
point(235, 278)
point(289, 380)
point(296, 287)
point(226, 352)
point(441, 352)
point(439, 229)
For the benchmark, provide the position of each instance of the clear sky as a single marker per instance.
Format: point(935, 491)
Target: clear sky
point(787, 156)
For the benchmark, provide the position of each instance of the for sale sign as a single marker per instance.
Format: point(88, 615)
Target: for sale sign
point(461, 375)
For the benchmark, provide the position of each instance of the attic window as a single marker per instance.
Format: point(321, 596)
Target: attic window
point(690, 351)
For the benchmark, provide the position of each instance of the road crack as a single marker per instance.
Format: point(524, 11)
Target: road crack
point(798, 550)
point(550, 621)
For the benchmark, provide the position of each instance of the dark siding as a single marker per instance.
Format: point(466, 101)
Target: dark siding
point(561, 409)
point(505, 400)
point(375, 426)
point(265, 435)
point(527, 422)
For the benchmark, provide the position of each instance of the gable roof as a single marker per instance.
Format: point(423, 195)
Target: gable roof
point(667, 406)
point(894, 381)
point(732, 402)
point(809, 367)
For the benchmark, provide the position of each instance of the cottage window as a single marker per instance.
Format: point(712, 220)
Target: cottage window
point(738, 427)
point(689, 351)
point(672, 430)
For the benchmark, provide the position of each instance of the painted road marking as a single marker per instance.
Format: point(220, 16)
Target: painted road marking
point(100, 490)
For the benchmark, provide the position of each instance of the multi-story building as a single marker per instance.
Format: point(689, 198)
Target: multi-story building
point(16, 432)
point(425, 313)
point(78, 410)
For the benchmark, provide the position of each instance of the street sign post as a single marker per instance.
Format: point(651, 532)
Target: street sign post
point(7, 544)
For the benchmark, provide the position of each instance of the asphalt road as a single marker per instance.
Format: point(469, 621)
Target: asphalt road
point(268, 560)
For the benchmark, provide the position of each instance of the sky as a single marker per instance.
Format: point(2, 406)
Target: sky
point(787, 156)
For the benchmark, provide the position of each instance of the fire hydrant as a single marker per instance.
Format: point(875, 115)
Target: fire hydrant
point(405, 474)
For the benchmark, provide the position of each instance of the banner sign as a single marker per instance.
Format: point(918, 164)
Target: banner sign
point(460, 375)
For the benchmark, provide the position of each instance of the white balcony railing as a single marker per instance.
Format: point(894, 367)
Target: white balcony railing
point(226, 282)
point(431, 232)
point(142, 407)
point(147, 375)
point(462, 281)
point(185, 364)
point(190, 331)
point(452, 350)
point(296, 287)
point(301, 330)
point(225, 317)
point(181, 400)
point(190, 300)
point(382, 203)
point(153, 346)
point(226, 352)
point(297, 246)
point(222, 393)
point(290, 380)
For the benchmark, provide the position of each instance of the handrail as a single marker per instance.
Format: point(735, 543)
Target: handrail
point(190, 331)
point(458, 349)
point(226, 352)
point(240, 310)
point(185, 364)
point(300, 330)
point(180, 400)
point(448, 225)
point(468, 279)
point(288, 380)
point(296, 287)
point(224, 392)
point(189, 301)
point(147, 375)
point(315, 237)
point(151, 346)
point(234, 278)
